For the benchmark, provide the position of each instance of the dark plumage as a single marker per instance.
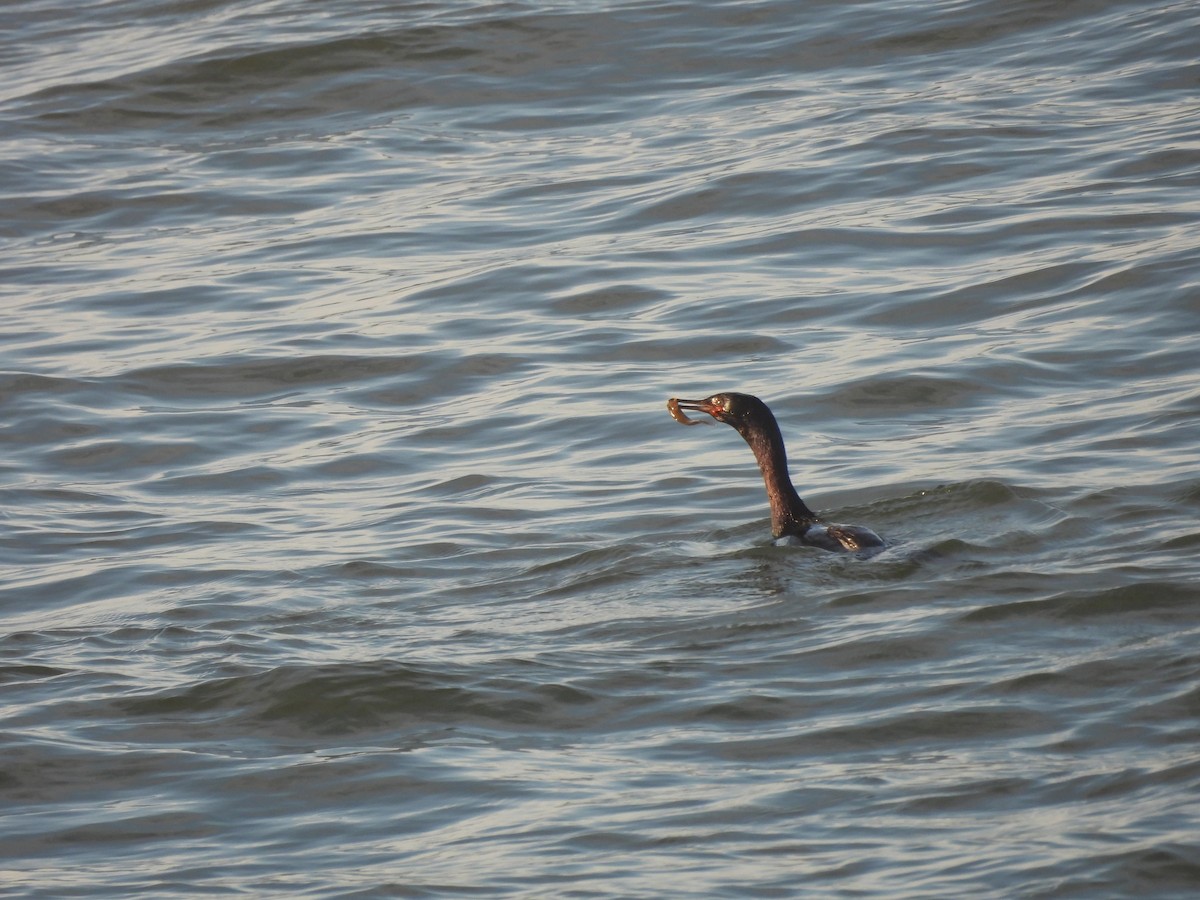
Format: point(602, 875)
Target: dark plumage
point(790, 516)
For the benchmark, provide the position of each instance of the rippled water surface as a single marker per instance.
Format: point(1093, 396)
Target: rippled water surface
point(348, 548)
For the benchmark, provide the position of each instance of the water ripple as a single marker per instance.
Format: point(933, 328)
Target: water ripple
point(335, 351)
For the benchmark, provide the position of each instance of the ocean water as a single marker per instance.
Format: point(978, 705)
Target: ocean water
point(347, 548)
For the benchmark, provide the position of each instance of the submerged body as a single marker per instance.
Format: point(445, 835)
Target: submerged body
point(790, 516)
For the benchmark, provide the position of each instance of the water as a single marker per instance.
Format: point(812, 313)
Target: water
point(348, 549)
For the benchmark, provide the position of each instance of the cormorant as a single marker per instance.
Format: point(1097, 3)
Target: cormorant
point(790, 516)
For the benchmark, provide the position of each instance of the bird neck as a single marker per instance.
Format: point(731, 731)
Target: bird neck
point(789, 514)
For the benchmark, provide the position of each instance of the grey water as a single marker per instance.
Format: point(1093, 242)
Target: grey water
point(347, 548)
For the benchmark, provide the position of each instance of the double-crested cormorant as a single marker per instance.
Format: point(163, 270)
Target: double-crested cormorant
point(790, 516)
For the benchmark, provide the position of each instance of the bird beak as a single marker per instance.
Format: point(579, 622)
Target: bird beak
point(700, 406)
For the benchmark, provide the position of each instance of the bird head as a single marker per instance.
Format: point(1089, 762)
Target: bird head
point(730, 407)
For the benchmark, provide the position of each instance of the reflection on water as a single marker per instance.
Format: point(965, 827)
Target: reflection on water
point(346, 535)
